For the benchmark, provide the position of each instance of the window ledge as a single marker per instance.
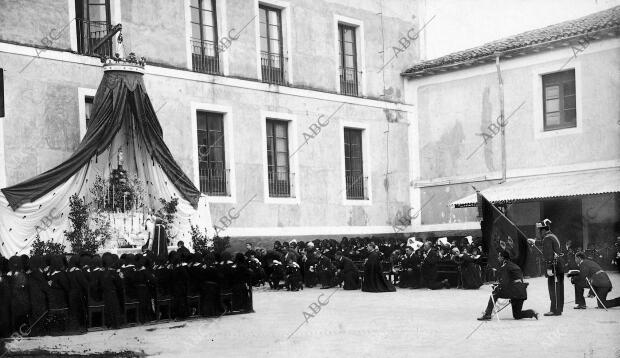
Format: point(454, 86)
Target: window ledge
point(558, 132)
point(220, 199)
point(353, 202)
point(286, 201)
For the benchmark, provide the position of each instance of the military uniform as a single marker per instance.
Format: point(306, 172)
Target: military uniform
point(555, 272)
point(510, 275)
point(599, 280)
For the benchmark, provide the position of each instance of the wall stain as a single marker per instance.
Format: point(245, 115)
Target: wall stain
point(441, 157)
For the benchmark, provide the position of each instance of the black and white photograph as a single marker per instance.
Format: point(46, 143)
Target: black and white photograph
point(310, 178)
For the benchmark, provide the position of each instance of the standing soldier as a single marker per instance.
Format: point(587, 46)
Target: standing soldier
point(552, 253)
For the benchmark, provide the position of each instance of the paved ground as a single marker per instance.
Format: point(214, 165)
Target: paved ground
point(406, 323)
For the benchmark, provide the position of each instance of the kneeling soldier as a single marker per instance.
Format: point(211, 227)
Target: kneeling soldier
point(511, 286)
point(591, 276)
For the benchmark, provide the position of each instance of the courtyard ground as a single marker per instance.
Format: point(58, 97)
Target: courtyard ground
point(406, 323)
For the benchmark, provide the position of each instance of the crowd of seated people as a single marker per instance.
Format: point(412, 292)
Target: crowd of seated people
point(43, 295)
point(55, 295)
point(328, 263)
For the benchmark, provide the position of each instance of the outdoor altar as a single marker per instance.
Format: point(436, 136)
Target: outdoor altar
point(120, 191)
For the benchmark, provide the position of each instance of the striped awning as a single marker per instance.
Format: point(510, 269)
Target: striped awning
point(548, 186)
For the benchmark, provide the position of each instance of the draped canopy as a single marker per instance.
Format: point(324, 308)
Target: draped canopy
point(122, 118)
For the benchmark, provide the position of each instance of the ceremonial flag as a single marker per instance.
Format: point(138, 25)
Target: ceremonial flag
point(499, 233)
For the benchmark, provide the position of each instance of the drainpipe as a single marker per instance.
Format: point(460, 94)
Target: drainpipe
point(501, 109)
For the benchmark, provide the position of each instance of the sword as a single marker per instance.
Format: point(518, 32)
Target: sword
point(555, 283)
point(595, 294)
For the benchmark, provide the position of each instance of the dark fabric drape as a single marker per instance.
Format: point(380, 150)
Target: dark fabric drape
point(121, 100)
point(499, 233)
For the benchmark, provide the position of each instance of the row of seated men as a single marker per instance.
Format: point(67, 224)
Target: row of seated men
point(432, 265)
point(43, 295)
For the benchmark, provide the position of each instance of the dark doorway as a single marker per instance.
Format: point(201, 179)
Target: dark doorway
point(566, 218)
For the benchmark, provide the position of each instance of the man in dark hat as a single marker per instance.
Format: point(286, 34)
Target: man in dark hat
point(58, 297)
point(20, 301)
point(552, 253)
point(592, 276)
point(113, 293)
point(510, 287)
point(39, 291)
point(78, 295)
point(5, 298)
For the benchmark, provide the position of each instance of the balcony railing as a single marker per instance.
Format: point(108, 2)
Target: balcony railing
point(205, 57)
point(357, 187)
point(89, 33)
point(273, 68)
point(349, 81)
point(215, 182)
point(281, 184)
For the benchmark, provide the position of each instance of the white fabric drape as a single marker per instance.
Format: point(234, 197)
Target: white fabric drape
point(49, 214)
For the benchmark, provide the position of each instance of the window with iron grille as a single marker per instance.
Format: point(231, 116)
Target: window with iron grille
point(92, 19)
point(559, 100)
point(88, 107)
point(278, 172)
point(211, 156)
point(354, 164)
point(272, 59)
point(347, 60)
point(205, 54)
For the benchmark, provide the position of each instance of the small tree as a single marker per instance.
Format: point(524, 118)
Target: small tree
point(168, 213)
point(82, 238)
point(200, 241)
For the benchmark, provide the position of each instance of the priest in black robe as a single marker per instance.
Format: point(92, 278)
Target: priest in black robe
point(347, 272)
point(157, 241)
point(374, 279)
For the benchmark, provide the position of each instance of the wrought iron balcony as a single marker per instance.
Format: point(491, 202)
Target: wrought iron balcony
point(349, 81)
point(273, 67)
point(281, 184)
point(89, 34)
point(205, 57)
point(357, 187)
point(215, 182)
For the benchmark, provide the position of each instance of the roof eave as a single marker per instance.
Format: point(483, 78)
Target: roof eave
point(598, 35)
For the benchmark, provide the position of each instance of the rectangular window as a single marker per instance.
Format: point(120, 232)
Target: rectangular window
point(559, 100)
point(211, 158)
point(272, 59)
point(347, 60)
point(354, 164)
point(205, 54)
point(278, 169)
point(92, 18)
point(88, 107)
